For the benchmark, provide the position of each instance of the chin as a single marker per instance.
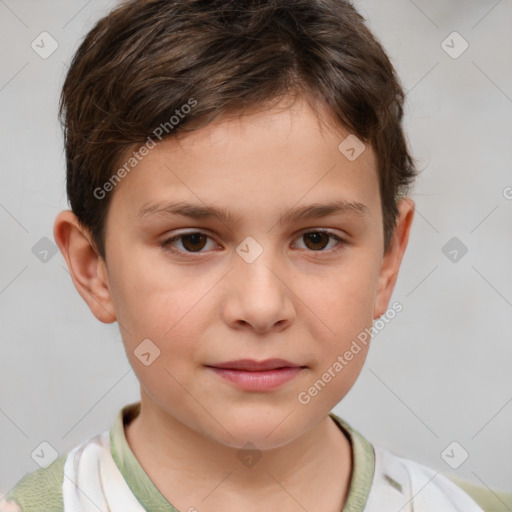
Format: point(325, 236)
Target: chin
point(265, 434)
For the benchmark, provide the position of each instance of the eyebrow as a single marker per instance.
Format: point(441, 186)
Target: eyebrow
point(201, 211)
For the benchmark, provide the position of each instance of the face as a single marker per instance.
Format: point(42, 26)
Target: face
point(258, 282)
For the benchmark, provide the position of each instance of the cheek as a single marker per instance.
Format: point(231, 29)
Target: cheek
point(163, 320)
point(142, 291)
point(341, 302)
point(347, 310)
point(162, 305)
point(344, 306)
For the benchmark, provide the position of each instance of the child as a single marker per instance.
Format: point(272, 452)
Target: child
point(270, 130)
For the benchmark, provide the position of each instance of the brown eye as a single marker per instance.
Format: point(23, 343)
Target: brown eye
point(191, 242)
point(195, 241)
point(318, 240)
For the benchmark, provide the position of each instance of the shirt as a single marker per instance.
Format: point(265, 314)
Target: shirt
point(103, 474)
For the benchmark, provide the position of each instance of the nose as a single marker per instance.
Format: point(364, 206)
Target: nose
point(259, 296)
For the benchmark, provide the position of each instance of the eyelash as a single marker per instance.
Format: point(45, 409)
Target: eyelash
point(166, 244)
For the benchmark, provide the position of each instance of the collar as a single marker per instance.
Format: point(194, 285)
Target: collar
point(363, 457)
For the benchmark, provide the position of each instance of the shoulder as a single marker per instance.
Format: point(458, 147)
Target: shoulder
point(410, 486)
point(39, 491)
point(47, 489)
point(491, 500)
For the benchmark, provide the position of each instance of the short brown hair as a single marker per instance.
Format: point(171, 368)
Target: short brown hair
point(147, 58)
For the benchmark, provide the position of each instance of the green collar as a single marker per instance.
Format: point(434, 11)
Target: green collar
point(151, 498)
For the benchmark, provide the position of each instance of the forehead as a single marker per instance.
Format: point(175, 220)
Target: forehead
point(270, 160)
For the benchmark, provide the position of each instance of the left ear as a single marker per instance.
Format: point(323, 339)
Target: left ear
point(393, 257)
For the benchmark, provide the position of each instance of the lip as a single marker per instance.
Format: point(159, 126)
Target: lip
point(252, 365)
point(265, 380)
point(251, 375)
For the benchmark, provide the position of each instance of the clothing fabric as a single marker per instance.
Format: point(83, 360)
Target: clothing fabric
point(103, 474)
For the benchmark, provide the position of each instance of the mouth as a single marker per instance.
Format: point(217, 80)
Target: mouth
point(251, 375)
point(251, 365)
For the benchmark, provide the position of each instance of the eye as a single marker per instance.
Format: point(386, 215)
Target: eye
point(318, 239)
point(195, 241)
point(192, 242)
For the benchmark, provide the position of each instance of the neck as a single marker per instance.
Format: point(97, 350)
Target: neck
point(187, 466)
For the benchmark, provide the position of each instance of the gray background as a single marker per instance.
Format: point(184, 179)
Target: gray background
point(438, 373)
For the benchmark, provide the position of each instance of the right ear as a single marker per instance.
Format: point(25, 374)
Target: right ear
point(87, 268)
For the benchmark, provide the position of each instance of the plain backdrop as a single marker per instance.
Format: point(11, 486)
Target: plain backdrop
point(439, 373)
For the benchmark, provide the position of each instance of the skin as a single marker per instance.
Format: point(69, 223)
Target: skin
point(298, 301)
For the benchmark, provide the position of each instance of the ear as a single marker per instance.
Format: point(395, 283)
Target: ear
point(393, 257)
point(87, 268)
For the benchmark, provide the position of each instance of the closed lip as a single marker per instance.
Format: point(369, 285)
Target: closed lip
point(252, 365)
